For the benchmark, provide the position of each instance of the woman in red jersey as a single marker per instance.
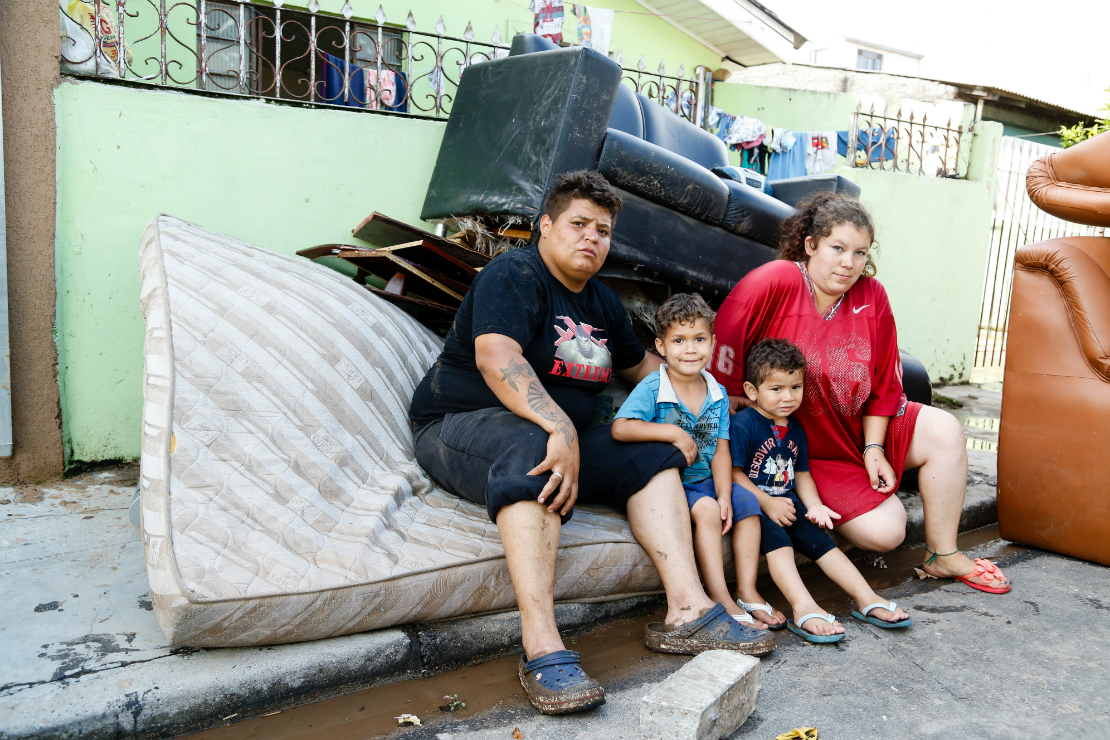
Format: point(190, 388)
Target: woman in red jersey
point(822, 296)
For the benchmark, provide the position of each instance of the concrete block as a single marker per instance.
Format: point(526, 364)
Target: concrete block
point(706, 699)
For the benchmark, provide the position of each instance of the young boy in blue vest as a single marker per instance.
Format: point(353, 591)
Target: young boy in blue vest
point(683, 404)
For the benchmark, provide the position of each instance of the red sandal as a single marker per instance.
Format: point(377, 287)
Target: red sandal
point(984, 569)
point(990, 573)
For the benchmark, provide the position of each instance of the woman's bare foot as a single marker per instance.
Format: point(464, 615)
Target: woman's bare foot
point(958, 564)
point(814, 625)
point(774, 619)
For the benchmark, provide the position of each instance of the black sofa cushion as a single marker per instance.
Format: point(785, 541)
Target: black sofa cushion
point(794, 190)
point(526, 43)
point(662, 177)
point(672, 132)
point(516, 123)
point(754, 214)
point(681, 249)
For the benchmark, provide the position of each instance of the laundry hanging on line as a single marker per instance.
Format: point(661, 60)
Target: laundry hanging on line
point(883, 148)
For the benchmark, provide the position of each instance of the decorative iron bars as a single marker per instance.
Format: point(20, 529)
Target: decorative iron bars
point(898, 144)
point(683, 96)
point(303, 55)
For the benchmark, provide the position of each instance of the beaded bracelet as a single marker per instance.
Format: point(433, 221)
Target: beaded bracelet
point(874, 444)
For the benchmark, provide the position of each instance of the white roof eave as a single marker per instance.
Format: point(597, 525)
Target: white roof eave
point(747, 25)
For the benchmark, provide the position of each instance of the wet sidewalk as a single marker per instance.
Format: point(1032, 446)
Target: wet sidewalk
point(81, 654)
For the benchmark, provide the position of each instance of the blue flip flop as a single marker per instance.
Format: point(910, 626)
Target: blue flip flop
point(809, 636)
point(889, 606)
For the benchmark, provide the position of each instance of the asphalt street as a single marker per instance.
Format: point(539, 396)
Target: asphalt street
point(1033, 663)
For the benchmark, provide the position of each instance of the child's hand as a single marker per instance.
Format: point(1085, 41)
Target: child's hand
point(685, 444)
point(780, 510)
point(726, 513)
point(822, 516)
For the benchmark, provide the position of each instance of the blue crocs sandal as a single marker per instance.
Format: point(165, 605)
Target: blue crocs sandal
point(890, 607)
point(714, 630)
point(556, 684)
point(809, 636)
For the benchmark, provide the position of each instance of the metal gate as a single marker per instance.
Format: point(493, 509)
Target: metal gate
point(1016, 222)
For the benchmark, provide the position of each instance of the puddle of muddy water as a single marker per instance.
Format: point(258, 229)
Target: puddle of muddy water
point(614, 650)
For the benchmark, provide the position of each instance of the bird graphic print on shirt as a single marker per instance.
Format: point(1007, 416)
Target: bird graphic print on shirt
point(581, 355)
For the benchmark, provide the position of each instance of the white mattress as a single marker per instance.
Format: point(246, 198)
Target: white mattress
point(281, 499)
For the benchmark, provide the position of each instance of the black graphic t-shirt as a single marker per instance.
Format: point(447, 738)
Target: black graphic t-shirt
point(574, 341)
point(769, 454)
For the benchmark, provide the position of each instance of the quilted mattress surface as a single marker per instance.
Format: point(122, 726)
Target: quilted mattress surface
point(281, 500)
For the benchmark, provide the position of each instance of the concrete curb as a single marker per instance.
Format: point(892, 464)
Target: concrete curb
point(190, 690)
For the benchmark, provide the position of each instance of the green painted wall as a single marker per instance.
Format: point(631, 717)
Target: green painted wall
point(279, 176)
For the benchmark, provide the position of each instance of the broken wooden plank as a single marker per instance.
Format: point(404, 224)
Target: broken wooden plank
point(324, 250)
point(385, 264)
point(383, 231)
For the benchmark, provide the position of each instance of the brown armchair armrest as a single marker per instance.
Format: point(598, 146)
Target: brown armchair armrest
point(1085, 288)
point(1074, 184)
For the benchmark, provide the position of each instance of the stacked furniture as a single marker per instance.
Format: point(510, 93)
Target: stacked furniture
point(1054, 442)
point(520, 121)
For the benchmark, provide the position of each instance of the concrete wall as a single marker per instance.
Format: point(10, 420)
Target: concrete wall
point(29, 44)
point(279, 176)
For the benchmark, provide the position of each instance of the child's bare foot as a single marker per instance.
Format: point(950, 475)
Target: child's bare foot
point(815, 625)
point(732, 608)
point(774, 618)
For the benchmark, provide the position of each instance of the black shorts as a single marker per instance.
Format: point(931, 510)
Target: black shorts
point(803, 535)
point(484, 456)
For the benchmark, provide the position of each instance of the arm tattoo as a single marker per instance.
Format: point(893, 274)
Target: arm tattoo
point(540, 402)
point(516, 370)
point(538, 399)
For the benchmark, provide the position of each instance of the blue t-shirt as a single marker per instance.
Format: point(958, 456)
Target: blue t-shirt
point(769, 461)
point(654, 400)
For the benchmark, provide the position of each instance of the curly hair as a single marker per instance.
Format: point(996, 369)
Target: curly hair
point(817, 217)
point(586, 184)
point(771, 355)
point(682, 308)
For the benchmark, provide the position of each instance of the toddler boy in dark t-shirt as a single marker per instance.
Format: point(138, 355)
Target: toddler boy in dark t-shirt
point(769, 459)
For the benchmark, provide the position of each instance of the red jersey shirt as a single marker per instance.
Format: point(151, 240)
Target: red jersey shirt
point(853, 368)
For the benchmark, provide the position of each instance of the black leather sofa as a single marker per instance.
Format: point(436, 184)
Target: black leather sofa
point(518, 122)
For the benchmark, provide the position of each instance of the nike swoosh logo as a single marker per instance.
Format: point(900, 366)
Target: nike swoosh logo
point(857, 310)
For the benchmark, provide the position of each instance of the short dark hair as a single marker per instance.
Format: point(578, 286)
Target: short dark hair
point(682, 308)
point(769, 356)
point(585, 184)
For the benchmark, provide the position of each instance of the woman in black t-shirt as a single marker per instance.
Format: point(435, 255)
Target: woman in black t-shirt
point(505, 418)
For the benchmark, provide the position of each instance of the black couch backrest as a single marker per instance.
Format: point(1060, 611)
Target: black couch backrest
point(674, 133)
point(526, 43)
point(627, 116)
point(526, 119)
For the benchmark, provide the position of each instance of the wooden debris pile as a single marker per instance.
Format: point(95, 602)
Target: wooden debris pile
point(425, 274)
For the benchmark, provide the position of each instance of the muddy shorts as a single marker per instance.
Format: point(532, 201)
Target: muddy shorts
point(484, 456)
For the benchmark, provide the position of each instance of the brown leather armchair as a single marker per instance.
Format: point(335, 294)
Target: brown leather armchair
point(1054, 442)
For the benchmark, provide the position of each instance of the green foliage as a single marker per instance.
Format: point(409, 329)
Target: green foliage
point(1077, 133)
